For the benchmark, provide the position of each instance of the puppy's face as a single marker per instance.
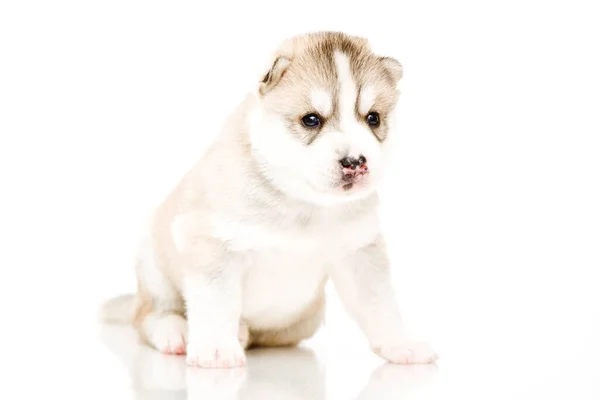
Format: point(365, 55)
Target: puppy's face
point(325, 119)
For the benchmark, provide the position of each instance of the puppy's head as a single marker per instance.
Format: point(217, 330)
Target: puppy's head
point(322, 128)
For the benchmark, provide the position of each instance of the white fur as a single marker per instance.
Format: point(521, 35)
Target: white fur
point(290, 269)
point(282, 282)
point(178, 231)
point(168, 333)
point(366, 99)
point(302, 173)
point(322, 102)
point(213, 341)
point(347, 91)
point(153, 278)
point(284, 266)
point(325, 235)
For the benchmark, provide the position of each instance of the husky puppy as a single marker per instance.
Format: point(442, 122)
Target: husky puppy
point(238, 254)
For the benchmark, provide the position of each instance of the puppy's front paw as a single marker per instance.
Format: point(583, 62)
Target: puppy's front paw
point(407, 353)
point(227, 354)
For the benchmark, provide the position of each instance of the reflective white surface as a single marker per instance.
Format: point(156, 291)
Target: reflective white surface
point(286, 374)
point(324, 368)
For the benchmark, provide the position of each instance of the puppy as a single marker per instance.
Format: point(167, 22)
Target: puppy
point(238, 254)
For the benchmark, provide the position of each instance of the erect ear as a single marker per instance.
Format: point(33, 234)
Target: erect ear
point(393, 67)
point(270, 80)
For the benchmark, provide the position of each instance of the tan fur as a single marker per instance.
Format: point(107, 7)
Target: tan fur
point(313, 66)
point(143, 308)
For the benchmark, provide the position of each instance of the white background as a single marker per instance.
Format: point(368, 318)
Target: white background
point(491, 210)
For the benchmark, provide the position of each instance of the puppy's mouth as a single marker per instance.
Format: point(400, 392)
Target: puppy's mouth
point(352, 186)
point(352, 180)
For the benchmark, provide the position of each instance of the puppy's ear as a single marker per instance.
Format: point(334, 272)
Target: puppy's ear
point(272, 78)
point(393, 67)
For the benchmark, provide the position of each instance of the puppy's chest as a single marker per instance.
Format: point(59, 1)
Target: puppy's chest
point(320, 238)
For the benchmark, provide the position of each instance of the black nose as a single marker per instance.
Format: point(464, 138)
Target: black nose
point(351, 162)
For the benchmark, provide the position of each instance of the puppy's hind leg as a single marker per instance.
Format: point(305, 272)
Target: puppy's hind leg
point(162, 328)
point(159, 315)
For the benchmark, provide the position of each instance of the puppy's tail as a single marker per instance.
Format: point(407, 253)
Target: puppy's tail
point(118, 310)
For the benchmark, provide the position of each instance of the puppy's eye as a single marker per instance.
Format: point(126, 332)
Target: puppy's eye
point(373, 119)
point(311, 120)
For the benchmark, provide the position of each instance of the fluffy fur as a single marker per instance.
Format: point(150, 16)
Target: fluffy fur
point(239, 252)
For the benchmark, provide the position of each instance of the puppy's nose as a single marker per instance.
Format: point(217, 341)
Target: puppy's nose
point(353, 163)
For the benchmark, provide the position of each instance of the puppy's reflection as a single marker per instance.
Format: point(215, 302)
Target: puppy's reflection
point(391, 381)
point(282, 374)
point(285, 373)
